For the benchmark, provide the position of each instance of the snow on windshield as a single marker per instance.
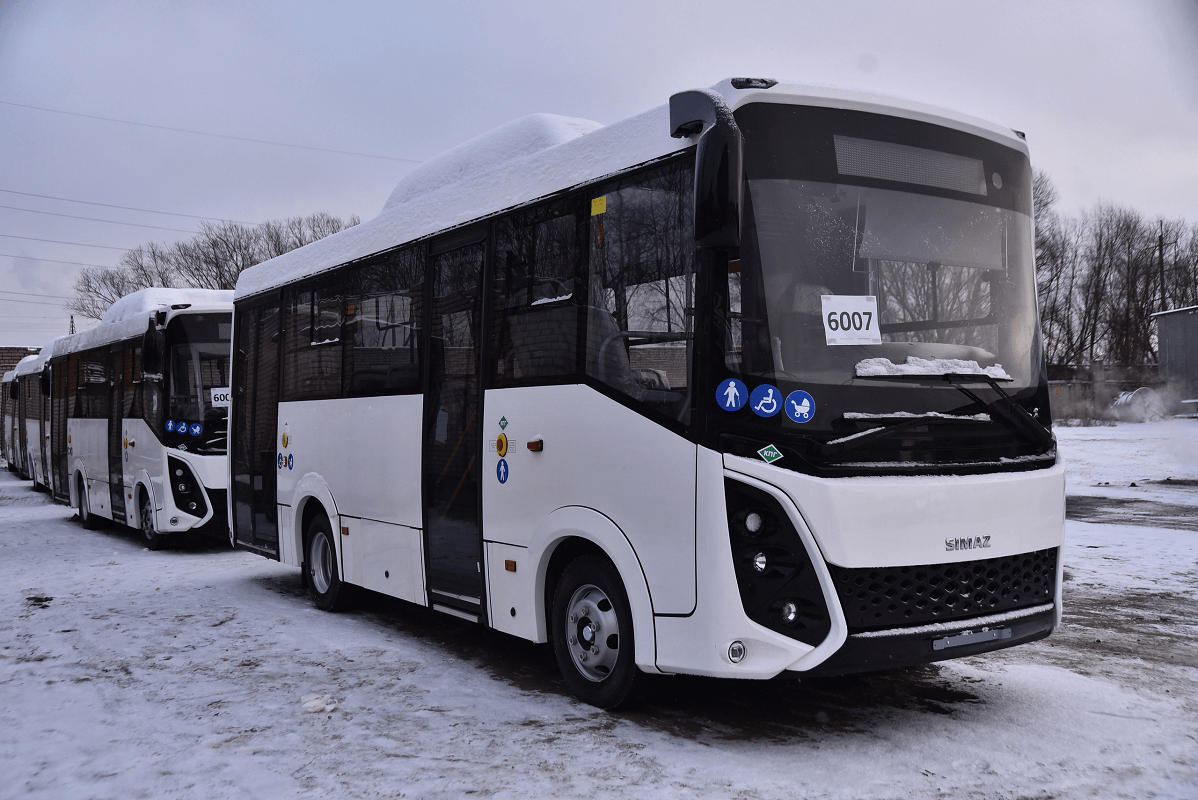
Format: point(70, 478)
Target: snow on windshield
point(882, 367)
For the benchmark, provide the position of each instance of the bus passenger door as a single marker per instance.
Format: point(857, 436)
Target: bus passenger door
point(451, 463)
point(116, 409)
point(253, 428)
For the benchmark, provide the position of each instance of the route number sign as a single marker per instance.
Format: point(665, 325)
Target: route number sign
point(851, 319)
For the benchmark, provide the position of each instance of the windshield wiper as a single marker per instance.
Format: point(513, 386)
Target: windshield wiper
point(1004, 408)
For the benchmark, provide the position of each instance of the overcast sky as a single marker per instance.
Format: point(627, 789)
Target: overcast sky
point(1106, 91)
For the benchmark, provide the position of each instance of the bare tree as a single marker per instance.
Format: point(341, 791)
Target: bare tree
point(212, 259)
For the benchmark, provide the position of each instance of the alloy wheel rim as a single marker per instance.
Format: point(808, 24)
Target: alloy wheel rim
point(592, 633)
point(322, 563)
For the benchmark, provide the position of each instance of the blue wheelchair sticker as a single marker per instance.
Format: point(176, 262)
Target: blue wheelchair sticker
point(731, 395)
point(290, 460)
point(196, 429)
point(501, 470)
point(280, 461)
point(766, 400)
point(800, 406)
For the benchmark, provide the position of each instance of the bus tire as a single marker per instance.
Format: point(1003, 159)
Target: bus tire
point(325, 586)
point(86, 517)
point(599, 666)
point(151, 538)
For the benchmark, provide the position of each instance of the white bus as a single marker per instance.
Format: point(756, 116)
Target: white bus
point(139, 414)
point(10, 401)
point(746, 384)
point(30, 436)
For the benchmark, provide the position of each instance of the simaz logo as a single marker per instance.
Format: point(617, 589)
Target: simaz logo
point(968, 543)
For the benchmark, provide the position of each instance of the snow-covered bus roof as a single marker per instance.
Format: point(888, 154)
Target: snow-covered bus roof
point(32, 365)
point(538, 155)
point(8, 376)
point(129, 316)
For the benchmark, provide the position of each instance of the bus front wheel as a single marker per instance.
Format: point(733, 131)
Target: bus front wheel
point(592, 633)
point(325, 587)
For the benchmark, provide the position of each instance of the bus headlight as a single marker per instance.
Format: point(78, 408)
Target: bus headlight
point(779, 587)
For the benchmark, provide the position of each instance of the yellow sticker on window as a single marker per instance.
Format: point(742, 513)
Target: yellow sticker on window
point(599, 205)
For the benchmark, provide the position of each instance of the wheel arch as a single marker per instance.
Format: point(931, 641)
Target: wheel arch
point(311, 498)
point(572, 531)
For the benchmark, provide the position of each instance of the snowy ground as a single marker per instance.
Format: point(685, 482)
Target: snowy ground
point(202, 672)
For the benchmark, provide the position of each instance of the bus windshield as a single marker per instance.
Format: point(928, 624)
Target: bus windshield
point(876, 252)
point(198, 347)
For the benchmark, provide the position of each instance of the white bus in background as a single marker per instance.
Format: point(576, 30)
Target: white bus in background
point(10, 401)
point(139, 414)
point(32, 418)
point(746, 384)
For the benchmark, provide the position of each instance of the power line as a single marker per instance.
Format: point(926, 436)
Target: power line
point(56, 241)
point(55, 261)
point(125, 208)
point(96, 219)
point(35, 294)
point(31, 302)
point(208, 133)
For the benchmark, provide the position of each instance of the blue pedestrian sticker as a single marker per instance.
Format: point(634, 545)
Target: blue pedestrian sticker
point(800, 406)
point(766, 400)
point(501, 471)
point(196, 429)
point(170, 426)
point(280, 460)
point(290, 460)
point(731, 395)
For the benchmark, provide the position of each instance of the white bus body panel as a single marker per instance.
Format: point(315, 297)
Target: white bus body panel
point(87, 452)
point(383, 558)
point(33, 450)
point(898, 521)
point(360, 458)
point(600, 455)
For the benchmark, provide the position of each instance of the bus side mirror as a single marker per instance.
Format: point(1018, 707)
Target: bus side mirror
point(14, 390)
point(718, 164)
point(152, 346)
point(45, 381)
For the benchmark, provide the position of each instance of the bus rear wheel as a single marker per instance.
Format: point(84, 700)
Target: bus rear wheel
point(86, 518)
point(325, 586)
point(592, 633)
point(151, 538)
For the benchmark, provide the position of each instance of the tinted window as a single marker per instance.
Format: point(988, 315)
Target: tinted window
point(641, 284)
point(93, 383)
point(312, 342)
point(384, 313)
point(535, 302)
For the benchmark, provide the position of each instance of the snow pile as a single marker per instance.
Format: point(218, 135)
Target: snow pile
point(884, 367)
point(141, 303)
point(318, 704)
point(527, 159)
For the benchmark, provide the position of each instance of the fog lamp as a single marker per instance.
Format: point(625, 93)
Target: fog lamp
point(754, 522)
point(760, 562)
point(736, 652)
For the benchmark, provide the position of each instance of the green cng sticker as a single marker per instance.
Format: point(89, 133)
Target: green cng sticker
point(769, 454)
point(503, 423)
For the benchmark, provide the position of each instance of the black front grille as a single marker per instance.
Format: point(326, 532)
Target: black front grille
point(890, 597)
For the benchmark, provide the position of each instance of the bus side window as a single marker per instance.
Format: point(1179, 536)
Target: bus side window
point(94, 382)
point(384, 313)
point(640, 321)
point(312, 342)
point(534, 332)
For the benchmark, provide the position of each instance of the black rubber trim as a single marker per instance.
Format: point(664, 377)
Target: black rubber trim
point(870, 654)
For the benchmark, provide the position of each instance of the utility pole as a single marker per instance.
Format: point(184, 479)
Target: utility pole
point(1160, 262)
